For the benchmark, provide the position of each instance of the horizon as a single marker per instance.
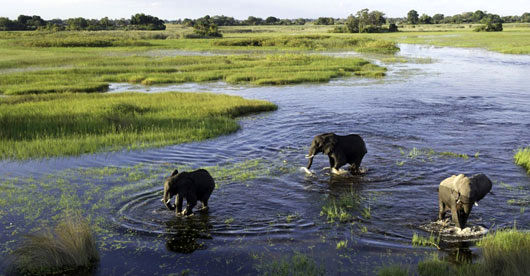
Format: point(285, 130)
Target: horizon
point(239, 9)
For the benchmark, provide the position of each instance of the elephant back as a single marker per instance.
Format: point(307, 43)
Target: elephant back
point(459, 183)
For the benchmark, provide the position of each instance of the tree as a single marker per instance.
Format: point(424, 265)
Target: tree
point(525, 17)
point(325, 21)
point(412, 17)
point(477, 16)
point(271, 20)
point(425, 19)
point(352, 24)
point(206, 27)
point(76, 24)
point(147, 22)
point(300, 21)
point(251, 20)
point(437, 18)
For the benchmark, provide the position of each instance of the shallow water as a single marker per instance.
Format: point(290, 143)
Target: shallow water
point(468, 101)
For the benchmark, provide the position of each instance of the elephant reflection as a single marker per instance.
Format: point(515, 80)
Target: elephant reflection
point(341, 150)
point(185, 233)
point(458, 193)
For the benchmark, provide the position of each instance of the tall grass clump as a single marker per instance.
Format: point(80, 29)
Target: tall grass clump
point(522, 158)
point(48, 125)
point(68, 249)
point(506, 253)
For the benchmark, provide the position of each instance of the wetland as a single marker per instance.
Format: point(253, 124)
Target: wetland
point(437, 111)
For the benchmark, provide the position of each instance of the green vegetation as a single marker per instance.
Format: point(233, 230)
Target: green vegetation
point(522, 158)
point(61, 69)
point(427, 154)
point(298, 265)
point(341, 209)
point(69, 248)
point(505, 252)
point(418, 240)
point(512, 40)
point(313, 42)
point(342, 244)
point(71, 124)
point(393, 270)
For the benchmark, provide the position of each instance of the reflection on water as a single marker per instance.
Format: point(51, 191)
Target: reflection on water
point(186, 234)
point(467, 101)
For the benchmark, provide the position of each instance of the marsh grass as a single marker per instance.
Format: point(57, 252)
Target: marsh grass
point(393, 270)
point(433, 241)
point(522, 158)
point(513, 40)
point(297, 265)
point(341, 209)
point(313, 42)
point(72, 124)
point(67, 249)
point(504, 252)
point(95, 75)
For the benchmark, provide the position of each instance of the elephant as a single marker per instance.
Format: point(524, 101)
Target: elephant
point(340, 150)
point(192, 186)
point(458, 193)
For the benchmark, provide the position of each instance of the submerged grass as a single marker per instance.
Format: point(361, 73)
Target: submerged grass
point(522, 158)
point(69, 248)
point(341, 209)
point(418, 240)
point(297, 265)
point(72, 124)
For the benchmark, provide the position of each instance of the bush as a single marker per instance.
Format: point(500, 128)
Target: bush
point(489, 27)
point(68, 249)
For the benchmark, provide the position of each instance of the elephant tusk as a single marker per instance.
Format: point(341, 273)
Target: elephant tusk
point(476, 204)
point(309, 156)
point(168, 201)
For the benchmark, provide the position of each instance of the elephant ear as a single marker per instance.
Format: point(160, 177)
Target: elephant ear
point(329, 144)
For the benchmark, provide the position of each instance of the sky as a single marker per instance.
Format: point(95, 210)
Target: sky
point(241, 9)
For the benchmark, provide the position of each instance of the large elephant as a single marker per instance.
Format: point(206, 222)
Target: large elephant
point(340, 150)
point(192, 186)
point(458, 193)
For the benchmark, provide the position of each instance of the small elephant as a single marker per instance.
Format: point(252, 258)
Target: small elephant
point(458, 193)
point(340, 150)
point(192, 186)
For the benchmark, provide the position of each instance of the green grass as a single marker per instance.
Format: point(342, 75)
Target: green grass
point(522, 158)
point(341, 209)
point(393, 270)
point(94, 75)
point(43, 62)
point(505, 252)
point(418, 240)
point(69, 248)
point(71, 124)
point(297, 265)
point(509, 41)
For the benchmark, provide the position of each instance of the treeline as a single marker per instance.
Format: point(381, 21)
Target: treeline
point(221, 20)
point(477, 17)
point(138, 21)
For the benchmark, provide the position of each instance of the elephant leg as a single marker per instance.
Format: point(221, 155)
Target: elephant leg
point(454, 215)
point(190, 203)
point(204, 204)
point(441, 212)
point(178, 201)
point(331, 161)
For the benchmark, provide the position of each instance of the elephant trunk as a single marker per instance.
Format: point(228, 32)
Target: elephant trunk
point(310, 156)
point(167, 197)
